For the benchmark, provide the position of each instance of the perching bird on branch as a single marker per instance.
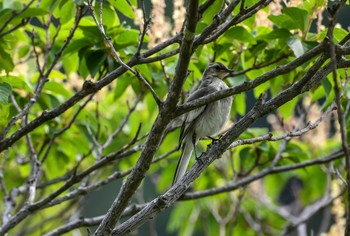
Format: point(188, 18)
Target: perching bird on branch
point(207, 120)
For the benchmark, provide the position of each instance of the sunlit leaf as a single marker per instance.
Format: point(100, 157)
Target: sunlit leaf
point(57, 88)
point(299, 16)
point(4, 15)
point(5, 91)
point(127, 37)
point(67, 12)
point(292, 18)
point(78, 2)
point(30, 12)
point(287, 110)
point(338, 34)
point(123, 7)
point(213, 10)
point(240, 103)
point(122, 84)
point(109, 17)
point(6, 62)
point(241, 34)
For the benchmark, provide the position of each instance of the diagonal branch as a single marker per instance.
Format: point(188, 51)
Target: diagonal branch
point(215, 151)
point(164, 116)
point(283, 69)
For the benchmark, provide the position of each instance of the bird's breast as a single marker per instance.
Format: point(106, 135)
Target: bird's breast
point(214, 118)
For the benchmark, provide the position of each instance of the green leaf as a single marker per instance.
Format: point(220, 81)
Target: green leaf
point(122, 84)
point(109, 16)
point(78, 2)
point(94, 60)
point(278, 34)
point(240, 103)
point(124, 8)
point(282, 21)
point(70, 63)
point(327, 86)
point(5, 112)
point(318, 94)
point(12, 4)
point(127, 38)
point(244, 154)
point(4, 15)
point(241, 34)
point(299, 16)
point(90, 32)
point(30, 12)
point(57, 88)
point(292, 18)
point(6, 62)
point(49, 4)
point(339, 34)
point(83, 69)
point(214, 9)
point(15, 82)
point(5, 91)
point(296, 151)
point(56, 74)
point(67, 12)
point(23, 51)
point(133, 2)
point(76, 45)
point(287, 110)
point(312, 5)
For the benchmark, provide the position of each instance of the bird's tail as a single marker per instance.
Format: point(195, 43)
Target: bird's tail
point(187, 149)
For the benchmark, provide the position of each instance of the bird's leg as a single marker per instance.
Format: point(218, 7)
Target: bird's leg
point(194, 148)
point(215, 139)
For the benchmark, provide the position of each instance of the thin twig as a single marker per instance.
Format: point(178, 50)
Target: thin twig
point(116, 55)
point(146, 24)
point(334, 11)
point(267, 171)
point(43, 78)
point(122, 125)
point(61, 131)
point(14, 14)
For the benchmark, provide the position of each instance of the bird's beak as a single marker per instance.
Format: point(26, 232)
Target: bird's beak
point(229, 72)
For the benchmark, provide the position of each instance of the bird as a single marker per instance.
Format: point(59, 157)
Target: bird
point(207, 120)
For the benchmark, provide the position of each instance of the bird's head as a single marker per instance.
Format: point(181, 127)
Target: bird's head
point(217, 69)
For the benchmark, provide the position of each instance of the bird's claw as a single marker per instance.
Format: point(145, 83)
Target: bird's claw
point(214, 140)
point(199, 160)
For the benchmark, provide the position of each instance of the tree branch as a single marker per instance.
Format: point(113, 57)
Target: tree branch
point(164, 116)
point(283, 69)
point(267, 171)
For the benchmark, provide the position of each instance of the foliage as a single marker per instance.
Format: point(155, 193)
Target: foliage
point(82, 105)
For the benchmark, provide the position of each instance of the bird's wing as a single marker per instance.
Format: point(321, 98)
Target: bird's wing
point(193, 115)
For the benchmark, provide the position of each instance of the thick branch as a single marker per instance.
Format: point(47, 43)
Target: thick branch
point(214, 151)
point(154, 138)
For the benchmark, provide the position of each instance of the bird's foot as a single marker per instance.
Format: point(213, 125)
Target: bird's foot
point(199, 160)
point(214, 140)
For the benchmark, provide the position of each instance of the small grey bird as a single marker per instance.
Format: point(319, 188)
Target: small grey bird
point(207, 120)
